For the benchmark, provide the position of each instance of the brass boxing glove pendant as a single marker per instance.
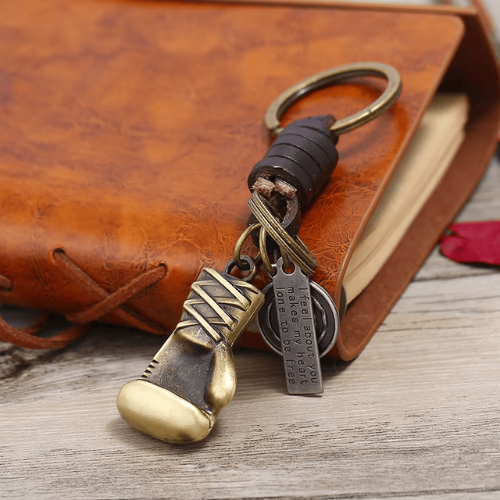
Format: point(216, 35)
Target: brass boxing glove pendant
point(192, 377)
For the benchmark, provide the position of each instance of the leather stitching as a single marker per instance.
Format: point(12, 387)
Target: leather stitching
point(104, 303)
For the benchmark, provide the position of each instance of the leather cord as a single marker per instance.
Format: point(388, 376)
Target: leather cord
point(102, 303)
point(26, 337)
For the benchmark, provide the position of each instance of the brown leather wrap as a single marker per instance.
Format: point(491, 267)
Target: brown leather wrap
point(129, 128)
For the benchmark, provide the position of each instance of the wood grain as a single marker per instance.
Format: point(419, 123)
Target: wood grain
point(399, 422)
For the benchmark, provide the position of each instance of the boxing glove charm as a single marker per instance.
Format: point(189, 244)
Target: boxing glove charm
point(192, 377)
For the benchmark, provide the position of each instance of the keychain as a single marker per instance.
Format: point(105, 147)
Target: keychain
point(192, 377)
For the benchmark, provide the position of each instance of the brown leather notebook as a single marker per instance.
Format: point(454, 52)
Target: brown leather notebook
point(129, 128)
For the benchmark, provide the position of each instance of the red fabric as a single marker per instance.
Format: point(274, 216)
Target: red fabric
point(473, 242)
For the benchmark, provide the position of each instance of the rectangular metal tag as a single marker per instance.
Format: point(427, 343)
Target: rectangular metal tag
point(294, 308)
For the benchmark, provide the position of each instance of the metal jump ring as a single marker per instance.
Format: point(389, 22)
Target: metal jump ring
point(331, 77)
point(241, 264)
point(231, 264)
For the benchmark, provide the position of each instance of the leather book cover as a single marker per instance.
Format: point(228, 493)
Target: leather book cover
point(129, 129)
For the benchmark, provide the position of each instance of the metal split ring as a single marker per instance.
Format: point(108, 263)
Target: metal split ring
point(242, 261)
point(332, 77)
point(291, 248)
point(265, 256)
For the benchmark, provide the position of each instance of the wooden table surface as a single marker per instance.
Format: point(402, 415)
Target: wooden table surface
point(416, 415)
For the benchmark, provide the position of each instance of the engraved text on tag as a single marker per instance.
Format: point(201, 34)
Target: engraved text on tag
point(294, 308)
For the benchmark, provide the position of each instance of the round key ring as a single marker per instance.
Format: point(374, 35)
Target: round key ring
point(332, 77)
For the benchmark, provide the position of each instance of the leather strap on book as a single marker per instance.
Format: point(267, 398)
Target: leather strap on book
point(105, 303)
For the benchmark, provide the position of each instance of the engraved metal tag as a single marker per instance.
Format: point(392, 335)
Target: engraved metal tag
point(294, 307)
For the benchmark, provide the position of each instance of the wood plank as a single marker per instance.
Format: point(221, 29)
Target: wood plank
point(418, 411)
